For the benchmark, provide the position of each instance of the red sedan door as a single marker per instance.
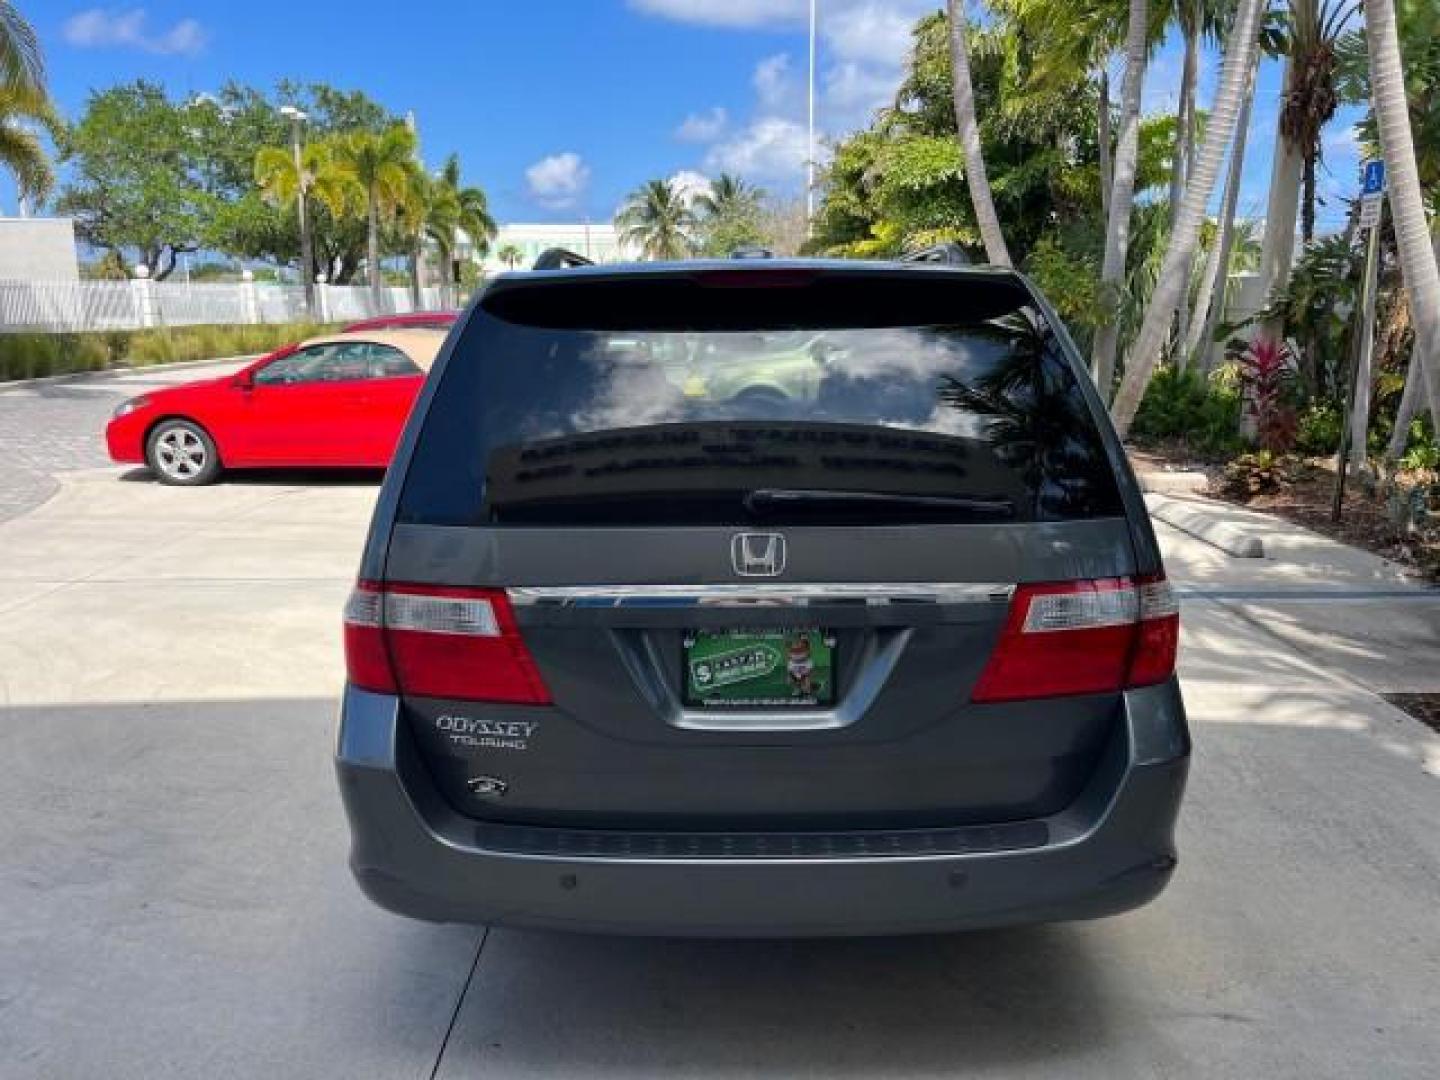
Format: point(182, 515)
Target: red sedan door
point(395, 382)
point(307, 408)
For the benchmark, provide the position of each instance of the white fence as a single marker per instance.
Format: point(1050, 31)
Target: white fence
point(77, 306)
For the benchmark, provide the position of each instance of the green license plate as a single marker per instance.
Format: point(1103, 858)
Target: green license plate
point(759, 668)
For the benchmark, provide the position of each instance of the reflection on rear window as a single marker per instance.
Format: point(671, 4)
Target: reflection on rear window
point(935, 423)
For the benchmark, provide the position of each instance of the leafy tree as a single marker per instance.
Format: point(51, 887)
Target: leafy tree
point(324, 183)
point(380, 165)
point(154, 176)
point(510, 255)
point(657, 219)
point(134, 182)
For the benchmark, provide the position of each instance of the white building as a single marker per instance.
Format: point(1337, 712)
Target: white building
point(596, 242)
point(38, 249)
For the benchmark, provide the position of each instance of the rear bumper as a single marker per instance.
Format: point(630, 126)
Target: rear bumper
point(1110, 851)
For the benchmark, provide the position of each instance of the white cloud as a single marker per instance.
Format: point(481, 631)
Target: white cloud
point(770, 148)
point(776, 89)
point(703, 127)
point(878, 33)
point(690, 184)
point(97, 28)
point(558, 181)
point(862, 51)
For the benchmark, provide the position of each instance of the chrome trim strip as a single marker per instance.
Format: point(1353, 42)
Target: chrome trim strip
point(728, 595)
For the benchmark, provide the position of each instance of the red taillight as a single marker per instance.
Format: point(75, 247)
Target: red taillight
point(1083, 637)
point(439, 642)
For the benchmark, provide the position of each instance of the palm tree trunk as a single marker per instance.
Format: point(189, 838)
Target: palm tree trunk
point(1277, 247)
point(1239, 50)
point(372, 246)
point(1407, 206)
point(1410, 396)
point(1184, 130)
point(1185, 136)
point(1210, 306)
point(975, 177)
point(1122, 197)
point(1102, 138)
point(1307, 200)
point(416, 254)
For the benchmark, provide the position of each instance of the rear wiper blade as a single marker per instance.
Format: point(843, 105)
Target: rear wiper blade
point(764, 499)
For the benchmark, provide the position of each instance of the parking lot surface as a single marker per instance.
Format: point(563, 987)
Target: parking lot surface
point(174, 899)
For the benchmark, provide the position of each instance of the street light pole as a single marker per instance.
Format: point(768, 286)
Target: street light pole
point(307, 253)
point(810, 134)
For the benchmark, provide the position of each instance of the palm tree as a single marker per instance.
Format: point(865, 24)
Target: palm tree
point(20, 149)
point(657, 220)
point(510, 255)
point(319, 178)
point(975, 178)
point(1412, 238)
point(472, 216)
point(1205, 316)
point(430, 210)
point(1175, 273)
point(1308, 100)
point(1122, 196)
point(22, 67)
point(728, 196)
point(380, 166)
point(1311, 97)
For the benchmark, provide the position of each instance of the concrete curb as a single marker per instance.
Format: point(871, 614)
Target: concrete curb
point(1161, 482)
point(107, 374)
point(1194, 521)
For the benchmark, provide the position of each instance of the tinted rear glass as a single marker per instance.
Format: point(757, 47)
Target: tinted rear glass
point(633, 412)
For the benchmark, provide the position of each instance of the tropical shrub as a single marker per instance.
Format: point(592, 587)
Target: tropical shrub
point(1203, 413)
point(1318, 430)
point(1268, 379)
point(1261, 473)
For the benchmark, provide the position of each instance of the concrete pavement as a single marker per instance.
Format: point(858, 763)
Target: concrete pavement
point(52, 425)
point(174, 901)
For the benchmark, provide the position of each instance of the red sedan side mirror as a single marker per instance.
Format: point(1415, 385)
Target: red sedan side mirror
point(245, 380)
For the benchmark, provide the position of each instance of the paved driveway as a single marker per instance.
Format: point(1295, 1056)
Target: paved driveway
point(50, 427)
point(174, 901)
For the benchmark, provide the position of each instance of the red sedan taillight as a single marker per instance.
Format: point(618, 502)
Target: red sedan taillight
point(429, 641)
point(1083, 637)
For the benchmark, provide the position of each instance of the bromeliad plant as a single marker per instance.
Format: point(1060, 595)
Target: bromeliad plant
point(1268, 378)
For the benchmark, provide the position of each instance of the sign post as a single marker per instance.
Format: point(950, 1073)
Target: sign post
point(1357, 399)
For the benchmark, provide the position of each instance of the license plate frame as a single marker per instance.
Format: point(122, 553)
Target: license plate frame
point(758, 668)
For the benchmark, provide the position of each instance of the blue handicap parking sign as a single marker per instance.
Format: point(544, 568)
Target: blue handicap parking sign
point(1374, 178)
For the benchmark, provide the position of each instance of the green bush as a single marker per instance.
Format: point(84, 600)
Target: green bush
point(1183, 405)
point(31, 356)
point(1319, 432)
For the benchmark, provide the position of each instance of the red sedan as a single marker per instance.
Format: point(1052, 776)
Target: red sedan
point(414, 320)
point(339, 400)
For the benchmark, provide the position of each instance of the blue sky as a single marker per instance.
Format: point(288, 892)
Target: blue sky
point(559, 107)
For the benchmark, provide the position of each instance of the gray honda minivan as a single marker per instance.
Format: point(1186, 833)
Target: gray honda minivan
point(763, 597)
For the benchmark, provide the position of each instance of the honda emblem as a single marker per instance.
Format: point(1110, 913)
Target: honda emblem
point(758, 554)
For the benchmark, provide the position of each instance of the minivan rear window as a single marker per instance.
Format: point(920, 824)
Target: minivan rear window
point(693, 415)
